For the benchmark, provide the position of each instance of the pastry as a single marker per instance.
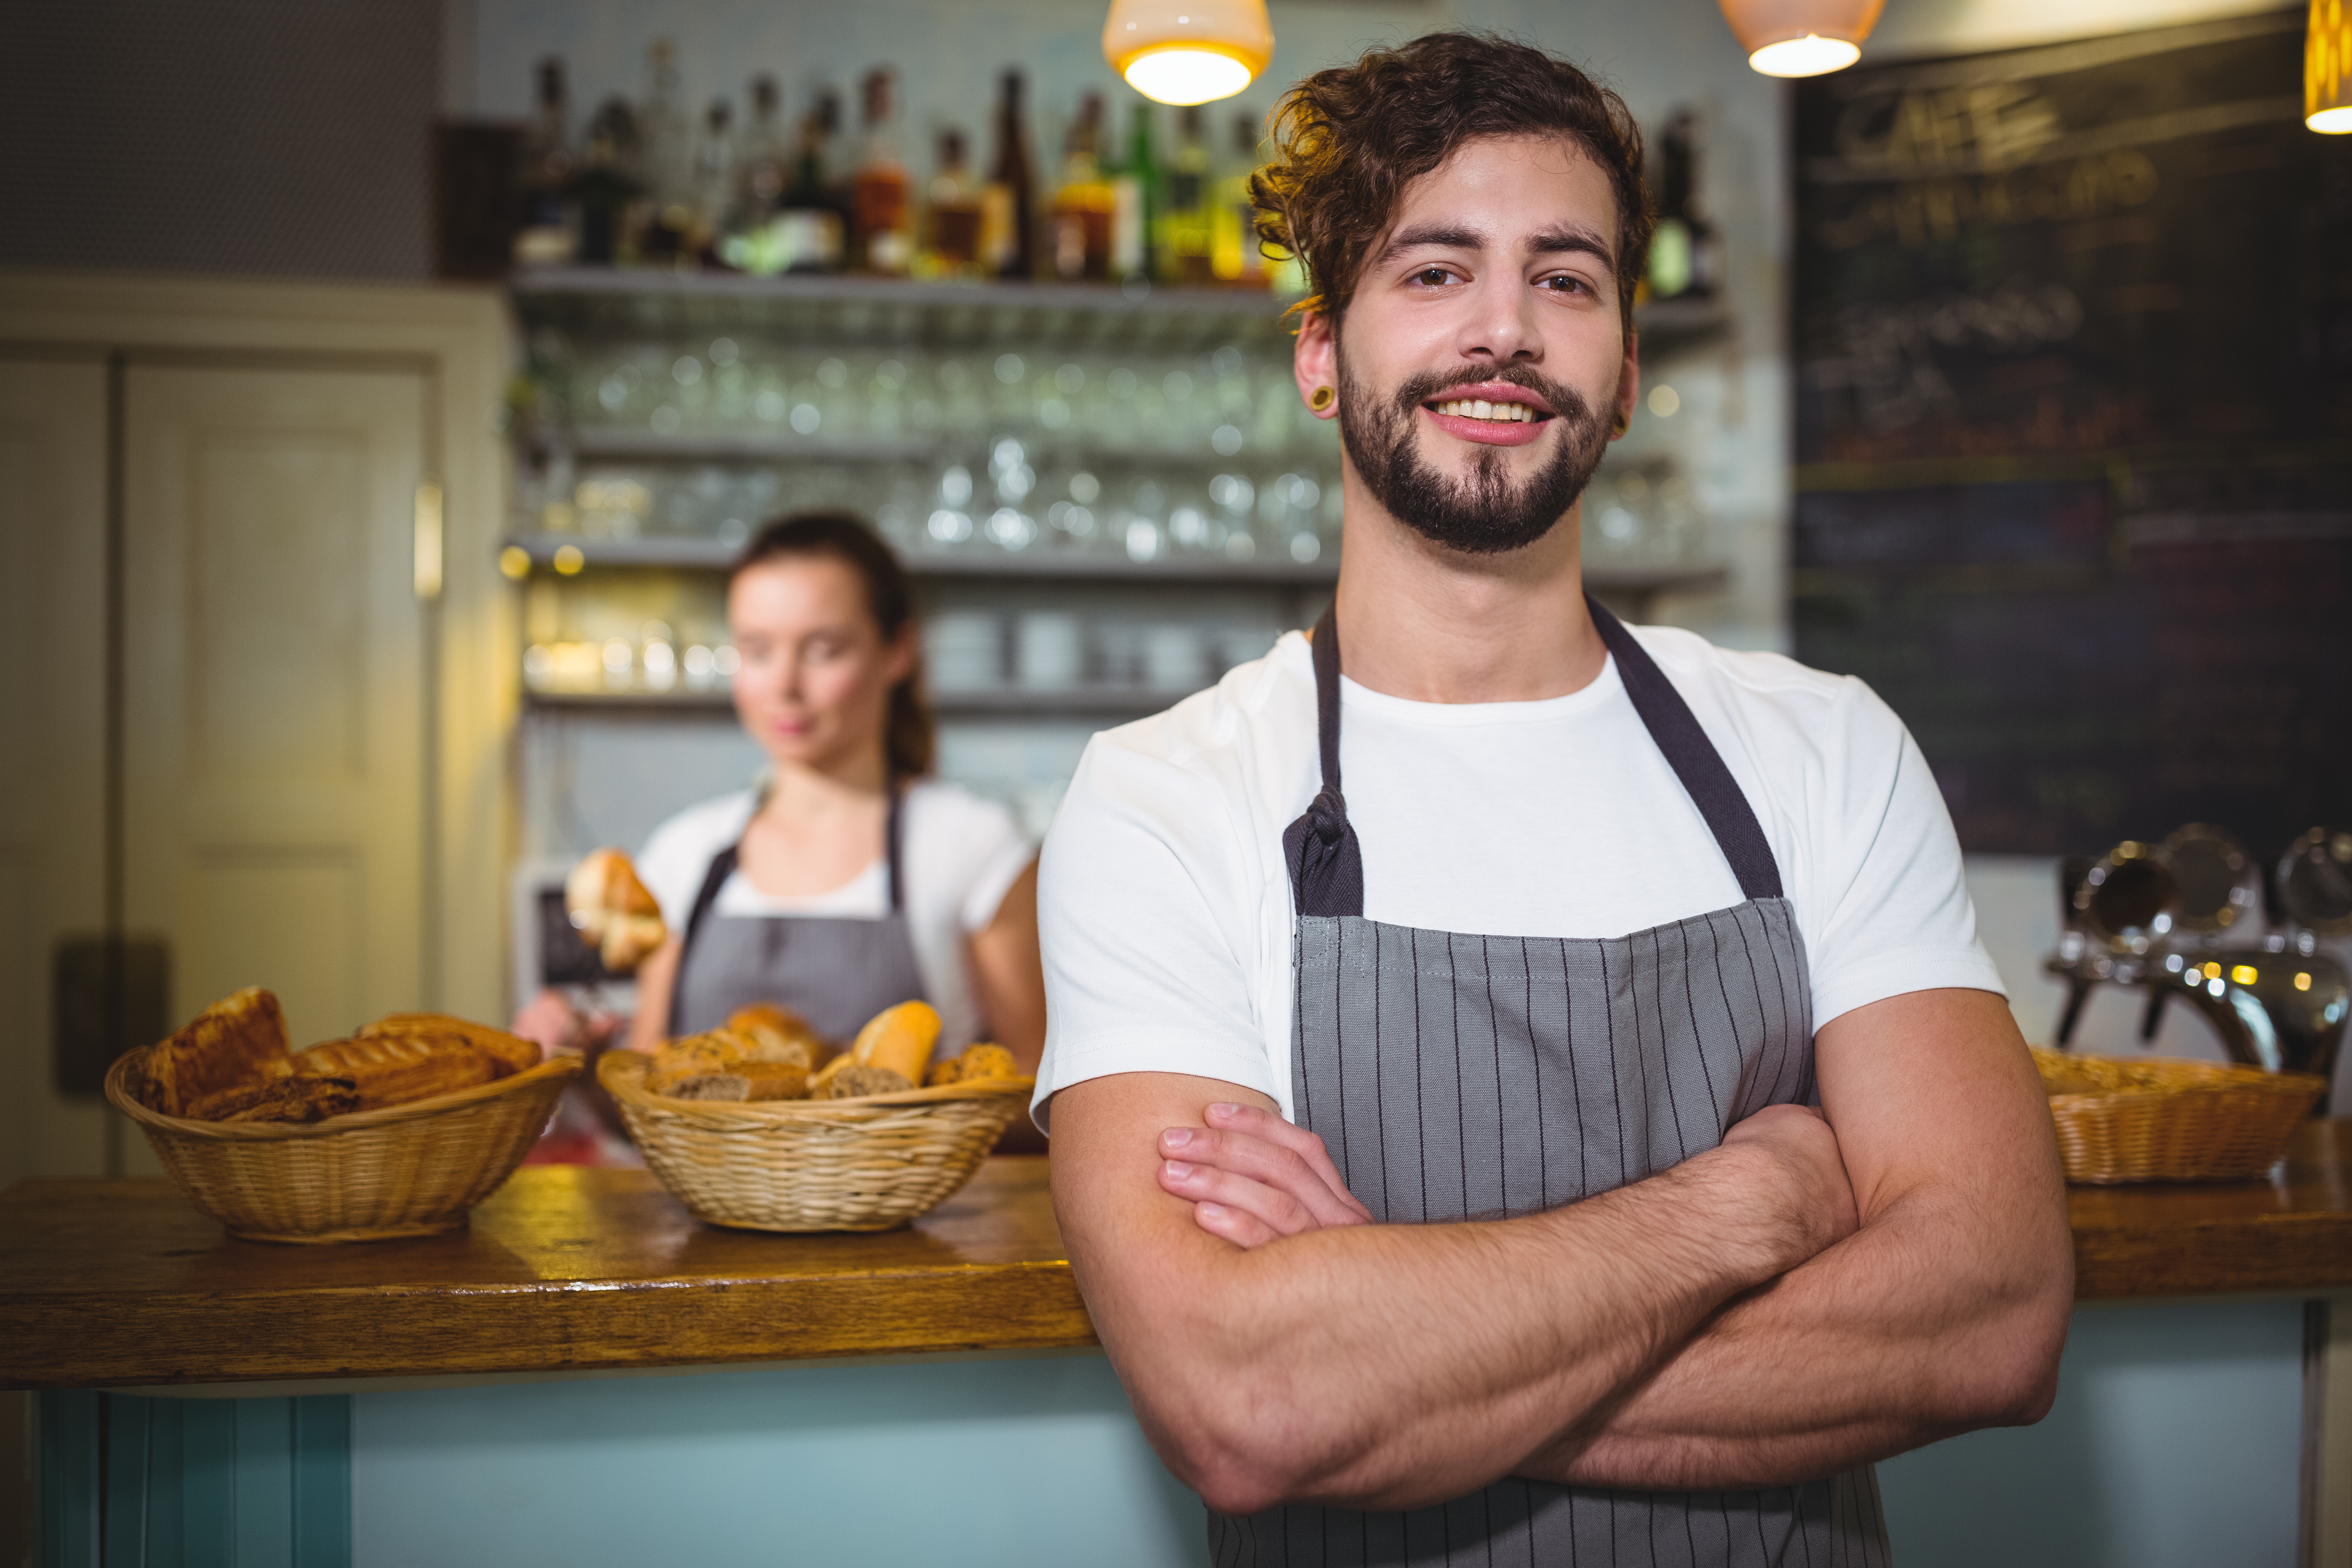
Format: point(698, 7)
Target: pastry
point(512, 1052)
point(856, 1082)
point(613, 911)
point(400, 1069)
point(234, 1041)
point(288, 1097)
point(900, 1038)
point(946, 1071)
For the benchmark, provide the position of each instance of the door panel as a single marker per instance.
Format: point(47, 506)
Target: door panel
point(276, 723)
point(52, 695)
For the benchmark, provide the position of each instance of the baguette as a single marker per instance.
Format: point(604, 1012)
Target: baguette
point(400, 1069)
point(899, 1039)
point(236, 1040)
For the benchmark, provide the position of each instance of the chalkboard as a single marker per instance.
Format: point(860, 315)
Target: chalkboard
point(2073, 332)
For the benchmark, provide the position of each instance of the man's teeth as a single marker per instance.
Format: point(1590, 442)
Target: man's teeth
point(1479, 408)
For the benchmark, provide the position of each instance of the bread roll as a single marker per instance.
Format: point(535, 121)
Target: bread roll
point(856, 1082)
point(946, 1071)
point(612, 910)
point(400, 1069)
point(899, 1039)
point(780, 1034)
point(236, 1040)
point(512, 1052)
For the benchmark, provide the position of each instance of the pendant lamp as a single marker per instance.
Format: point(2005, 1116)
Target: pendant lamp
point(2328, 69)
point(1188, 51)
point(1801, 37)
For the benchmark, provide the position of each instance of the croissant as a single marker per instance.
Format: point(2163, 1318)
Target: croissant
point(398, 1069)
point(234, 1041)
point(512, 1052)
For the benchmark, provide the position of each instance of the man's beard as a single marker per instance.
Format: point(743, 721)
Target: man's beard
point(1485, 513)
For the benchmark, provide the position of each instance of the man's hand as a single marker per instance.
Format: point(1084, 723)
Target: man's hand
point(1252, 1177)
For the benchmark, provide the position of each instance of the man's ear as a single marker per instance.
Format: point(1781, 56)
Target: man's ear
point(1315, 361)
point(1629, 387)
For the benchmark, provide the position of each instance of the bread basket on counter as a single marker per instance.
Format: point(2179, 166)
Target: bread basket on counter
point(868, 1163)
point(404, 1170)
point(2158, 1118)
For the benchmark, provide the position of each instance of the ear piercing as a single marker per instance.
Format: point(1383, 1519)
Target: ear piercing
point(1621, 426)
point(1321, 398)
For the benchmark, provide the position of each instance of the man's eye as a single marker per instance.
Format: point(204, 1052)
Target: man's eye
point(1431, 276)
point(1566, 285)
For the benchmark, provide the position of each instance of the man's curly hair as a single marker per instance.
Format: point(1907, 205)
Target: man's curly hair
point(1347, 141)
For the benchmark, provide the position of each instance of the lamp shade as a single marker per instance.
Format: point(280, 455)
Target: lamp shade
point(2328, 69)
point(1801, 37)
point(1188, 51)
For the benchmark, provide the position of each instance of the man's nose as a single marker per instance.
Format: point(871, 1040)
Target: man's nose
point(1498, 324)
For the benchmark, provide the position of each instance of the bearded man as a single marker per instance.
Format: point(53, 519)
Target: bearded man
point(1598, 1135)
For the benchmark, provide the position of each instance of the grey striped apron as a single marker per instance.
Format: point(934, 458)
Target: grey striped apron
point(835, 972)
point(1462, 1077)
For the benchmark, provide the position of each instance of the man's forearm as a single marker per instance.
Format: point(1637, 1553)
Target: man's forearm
point(1931, 1320)
point(1390, 1366)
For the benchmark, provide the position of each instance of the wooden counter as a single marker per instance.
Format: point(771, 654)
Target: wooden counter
point(119, 1283)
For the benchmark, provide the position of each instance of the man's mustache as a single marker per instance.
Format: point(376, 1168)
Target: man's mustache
point(1428, 385)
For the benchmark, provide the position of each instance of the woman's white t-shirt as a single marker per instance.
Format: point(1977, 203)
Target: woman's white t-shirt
point(958, 856)
point(1165, 906)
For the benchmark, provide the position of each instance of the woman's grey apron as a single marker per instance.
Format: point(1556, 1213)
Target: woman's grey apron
point(835, 972)
point(1459, 1078)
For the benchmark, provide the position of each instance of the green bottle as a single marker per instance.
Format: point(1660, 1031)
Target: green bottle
point(1138, 197)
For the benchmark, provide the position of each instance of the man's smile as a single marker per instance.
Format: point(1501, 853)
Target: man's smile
point(1491, 413)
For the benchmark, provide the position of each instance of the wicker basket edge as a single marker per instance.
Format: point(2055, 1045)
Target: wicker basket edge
point(123, 1098)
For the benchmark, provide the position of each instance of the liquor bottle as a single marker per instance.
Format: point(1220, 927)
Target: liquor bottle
point(606, 185)
point(547, 234)
point(666, 158)
point(881, 203)
point(1138, 196)
point(952, 232)
point(713, 188)
point(1686, 254)
point(808, 220)
point(767, 156)
point(1186, 230)
point(1082, 200)
point(1235, 256)
point(1008, 237)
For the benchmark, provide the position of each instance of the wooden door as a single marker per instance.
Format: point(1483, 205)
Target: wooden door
point(52, 699)
point(276, 731)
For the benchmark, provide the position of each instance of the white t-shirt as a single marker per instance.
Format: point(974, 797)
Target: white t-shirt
point(958, 855)
point(1165, 905)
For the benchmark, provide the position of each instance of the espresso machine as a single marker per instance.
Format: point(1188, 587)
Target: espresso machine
point(2195, 919)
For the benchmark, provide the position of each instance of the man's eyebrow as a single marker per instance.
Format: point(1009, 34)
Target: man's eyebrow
point(1432, 234)
point(1561, 241)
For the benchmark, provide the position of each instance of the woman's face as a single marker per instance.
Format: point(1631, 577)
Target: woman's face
point(813, 686)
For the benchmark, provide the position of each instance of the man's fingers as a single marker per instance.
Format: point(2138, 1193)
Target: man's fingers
point(1266, 1124)
point(1240, 1228)
point(1278, 1211)
point(1266, 1164)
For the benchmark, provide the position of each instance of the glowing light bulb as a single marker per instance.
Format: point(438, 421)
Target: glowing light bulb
point(1188, 53)
point(1812, 55)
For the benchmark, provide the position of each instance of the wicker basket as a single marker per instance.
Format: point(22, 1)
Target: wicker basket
point(405, 1170)
point(814, 1164)
point(2161, 1120)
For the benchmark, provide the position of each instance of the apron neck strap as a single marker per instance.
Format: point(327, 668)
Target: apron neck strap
point(1326, 861)
point(1675, 729)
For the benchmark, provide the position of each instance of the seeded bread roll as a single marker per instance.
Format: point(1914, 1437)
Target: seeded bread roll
point(744, 1081)
point(986, 1061)
point(236, 1040)
point(777, 1035)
